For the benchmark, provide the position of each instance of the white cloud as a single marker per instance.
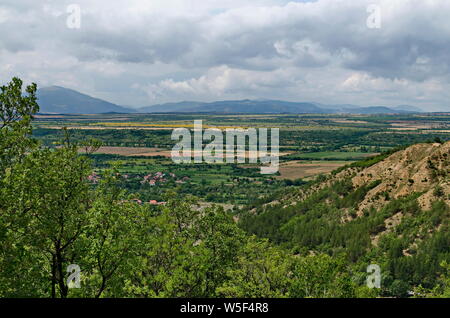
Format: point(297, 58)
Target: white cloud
point(129, 51)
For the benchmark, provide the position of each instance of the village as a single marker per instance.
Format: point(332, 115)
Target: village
point(158, 179)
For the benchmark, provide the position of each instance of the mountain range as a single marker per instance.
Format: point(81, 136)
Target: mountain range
point(60, 100)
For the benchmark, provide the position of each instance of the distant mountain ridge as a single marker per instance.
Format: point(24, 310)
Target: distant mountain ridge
point(273, 107)
point(60, 100)
point(237, 106)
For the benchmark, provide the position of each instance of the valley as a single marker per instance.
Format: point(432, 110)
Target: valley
point(102, 191)
point(310, 145)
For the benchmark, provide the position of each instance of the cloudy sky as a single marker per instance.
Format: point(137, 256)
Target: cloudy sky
point(140, 53)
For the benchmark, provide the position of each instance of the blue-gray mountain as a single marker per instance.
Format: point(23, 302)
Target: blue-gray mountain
point(61, 100)
point(238, 106)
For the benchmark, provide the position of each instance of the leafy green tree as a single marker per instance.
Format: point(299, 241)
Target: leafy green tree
point(111, 240)
point(399, 288)
point(441, 290)
point(321, 276)
point(47, 201)
point(261, 271)
point(16, 113)
point(219, 234)
point(171, 262)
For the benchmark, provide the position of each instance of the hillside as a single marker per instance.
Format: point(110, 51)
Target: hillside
point(171, 107)
point(239, 106)
point(392, 210)
point(61, 100)
point(376, 110)
point(270, 107)
point(422, 168)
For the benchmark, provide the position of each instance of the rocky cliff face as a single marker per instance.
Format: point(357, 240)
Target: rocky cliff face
point(422, 168)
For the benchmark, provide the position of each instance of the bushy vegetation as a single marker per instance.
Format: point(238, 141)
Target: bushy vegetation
point(326, 222)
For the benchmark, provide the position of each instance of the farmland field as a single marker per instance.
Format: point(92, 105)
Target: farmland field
point(293, 170)
point(134, 151)
point(310, 145)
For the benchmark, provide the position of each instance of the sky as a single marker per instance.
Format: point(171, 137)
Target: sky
point(141, 53)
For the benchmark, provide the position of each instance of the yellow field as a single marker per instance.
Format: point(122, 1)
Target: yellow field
point(134, 151)
point(302, 169)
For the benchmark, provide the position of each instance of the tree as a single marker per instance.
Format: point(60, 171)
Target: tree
point(111, 240)
point(399, 288)
point(16, 113)
point(321, 276)
point(221, 237)
point(47, 200)
point(441, 290)
point(261, 271)
point(171, 261)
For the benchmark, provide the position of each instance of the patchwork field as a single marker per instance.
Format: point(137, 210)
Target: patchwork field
point(303, 169)
point(310, 145)
point(134, 151)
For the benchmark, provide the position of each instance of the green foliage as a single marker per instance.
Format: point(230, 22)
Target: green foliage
point(16, 113)
point(261, 271)
point(441, 290)
point(410, 253)
point(321, 276)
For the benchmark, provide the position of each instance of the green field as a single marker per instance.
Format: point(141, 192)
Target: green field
point(331, 139)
